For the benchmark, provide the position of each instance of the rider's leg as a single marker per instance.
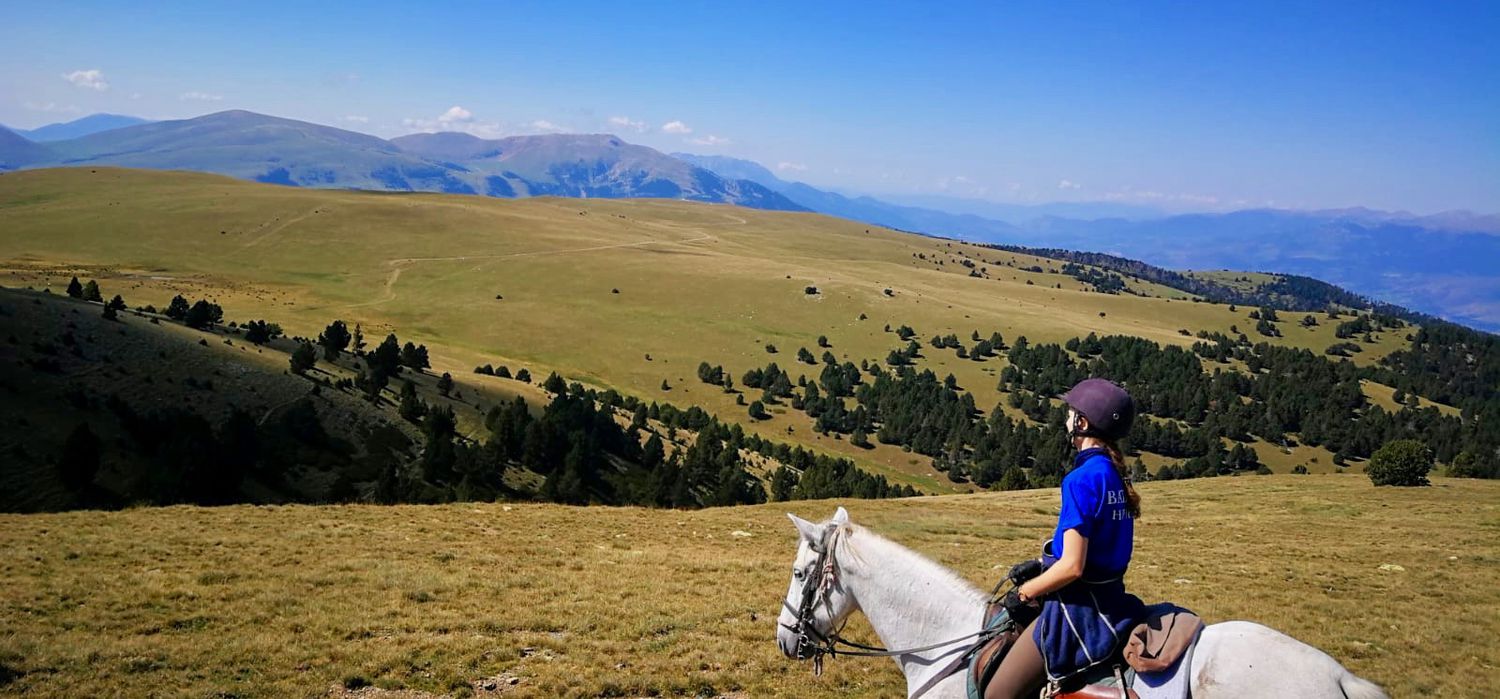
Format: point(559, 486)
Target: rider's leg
point(1021, 673)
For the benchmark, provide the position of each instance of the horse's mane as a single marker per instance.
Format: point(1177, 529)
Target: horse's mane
point(912, 562)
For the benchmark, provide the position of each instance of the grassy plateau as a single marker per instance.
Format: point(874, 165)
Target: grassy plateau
point(545, 601)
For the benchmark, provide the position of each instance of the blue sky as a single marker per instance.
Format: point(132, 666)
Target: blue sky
point(1190, 106)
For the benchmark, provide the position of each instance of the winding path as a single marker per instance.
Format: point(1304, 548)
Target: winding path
point(398, 264)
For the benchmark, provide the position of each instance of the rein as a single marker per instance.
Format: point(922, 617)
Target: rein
point(814, 644)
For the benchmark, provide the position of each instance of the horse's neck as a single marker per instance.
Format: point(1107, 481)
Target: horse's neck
point(911, 602)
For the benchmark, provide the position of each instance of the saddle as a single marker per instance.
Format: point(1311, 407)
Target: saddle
point(1156, 644)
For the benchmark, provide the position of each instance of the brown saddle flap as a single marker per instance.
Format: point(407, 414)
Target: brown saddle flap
point(1157, 643)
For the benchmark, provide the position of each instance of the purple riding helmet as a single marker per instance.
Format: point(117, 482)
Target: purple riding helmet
point(1109, 408)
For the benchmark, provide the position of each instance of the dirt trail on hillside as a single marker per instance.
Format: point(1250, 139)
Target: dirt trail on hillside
point(388, 290)
point(280, 227)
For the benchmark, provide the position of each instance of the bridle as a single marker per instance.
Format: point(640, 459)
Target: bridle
point(813, 644)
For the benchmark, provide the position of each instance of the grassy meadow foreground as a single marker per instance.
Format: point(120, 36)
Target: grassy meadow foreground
point(541, 600)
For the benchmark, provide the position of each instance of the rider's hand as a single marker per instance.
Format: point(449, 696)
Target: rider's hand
point(1023, 571)
point(1021, 611)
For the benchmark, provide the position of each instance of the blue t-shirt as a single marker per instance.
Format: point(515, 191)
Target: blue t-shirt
point(1093, 502)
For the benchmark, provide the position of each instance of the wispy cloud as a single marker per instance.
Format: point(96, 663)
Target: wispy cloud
point(51, 107)
point(785, 166)
point(1148, 195)
point(709, 140)
point(91, 79)
point(675, 127)
point(456, 119)
point(546, 126)
point(1068, 184)
point(628, 123)
point(196, 96)
point(355, 119)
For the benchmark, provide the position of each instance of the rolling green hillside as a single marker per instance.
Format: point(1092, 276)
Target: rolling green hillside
point(629, 295)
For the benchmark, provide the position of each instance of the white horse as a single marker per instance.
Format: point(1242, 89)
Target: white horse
point(913, 602)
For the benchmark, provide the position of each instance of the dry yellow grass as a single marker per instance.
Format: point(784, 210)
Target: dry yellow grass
point(291, 601)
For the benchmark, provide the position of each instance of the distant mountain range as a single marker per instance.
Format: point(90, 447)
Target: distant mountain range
point(1441, 264)
point(288, 152)
point(91, 124)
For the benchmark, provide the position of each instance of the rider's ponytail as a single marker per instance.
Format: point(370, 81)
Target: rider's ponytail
point(1132, 498)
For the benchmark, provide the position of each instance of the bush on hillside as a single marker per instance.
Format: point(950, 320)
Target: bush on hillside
point(1400, 462)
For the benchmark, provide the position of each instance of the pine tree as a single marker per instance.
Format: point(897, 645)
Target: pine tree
point(109, 312)
point(411, 407)
point(335, 339)
point(758, 411)
point(178, 308)
point(445, 384)
point(303, 358)
point(91, 292)
point(75, 290)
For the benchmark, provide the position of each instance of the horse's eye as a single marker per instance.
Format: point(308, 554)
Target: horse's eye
point(798, 574)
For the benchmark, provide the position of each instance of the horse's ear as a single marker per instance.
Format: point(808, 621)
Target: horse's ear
point(811, 532)
point(841, 517)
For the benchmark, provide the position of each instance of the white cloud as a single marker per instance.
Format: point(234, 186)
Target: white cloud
point(91, 79)
point(795, 167)
point(546, 126)
point(456, 115)
point(354, 119)
point(709, 140)
point(457, 119)
point(196, 96)
point(1068, 184)
point(675, 127)
point(628, 123)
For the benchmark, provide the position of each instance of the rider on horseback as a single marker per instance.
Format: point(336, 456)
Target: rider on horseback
point(1085, 613)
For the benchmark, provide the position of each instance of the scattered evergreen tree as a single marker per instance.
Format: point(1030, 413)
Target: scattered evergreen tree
point(1400, 462)
point(524, 376)
point(445, 384)
point(304, 357)
point(91, 292)
point(411, 408)
point(414, 357)
point(75, 290)
point(203, 314)
point(178, 308)
point(758, 411)
point(335, 339)
point(823, 341)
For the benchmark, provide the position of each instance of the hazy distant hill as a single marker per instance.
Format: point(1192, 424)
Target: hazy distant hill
point(91, 124)
point(865, 209)
point(1443, 272)
point(1442, 264)
point(17, 152)
point(586, 165)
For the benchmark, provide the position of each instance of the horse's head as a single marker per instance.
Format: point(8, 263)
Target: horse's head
point(817, 602)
